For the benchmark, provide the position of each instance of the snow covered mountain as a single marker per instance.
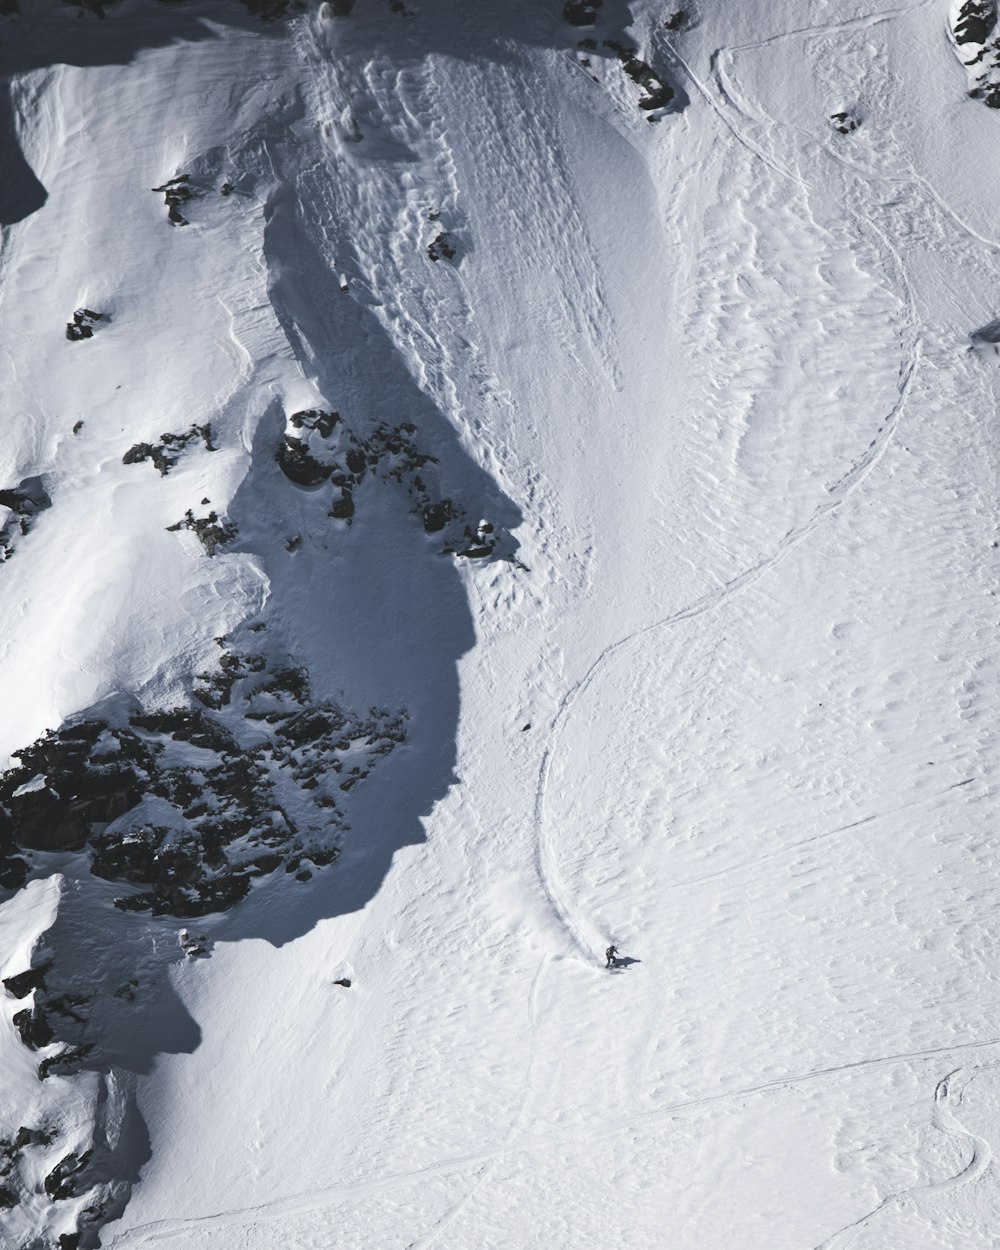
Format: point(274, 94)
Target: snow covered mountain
point(480, 482)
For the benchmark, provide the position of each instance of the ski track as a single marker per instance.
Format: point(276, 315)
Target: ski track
point(321, 1199)
point(945, 1120)
point(584, 938)
point(733, 98)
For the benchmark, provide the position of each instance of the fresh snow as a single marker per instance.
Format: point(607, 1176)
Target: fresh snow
point(728, 377)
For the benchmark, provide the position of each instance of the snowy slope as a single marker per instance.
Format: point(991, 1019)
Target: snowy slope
point(641, 589)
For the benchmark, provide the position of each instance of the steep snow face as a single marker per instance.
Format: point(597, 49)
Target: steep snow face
point(479, 483)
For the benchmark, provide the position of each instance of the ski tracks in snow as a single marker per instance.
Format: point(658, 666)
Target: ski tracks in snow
point(949, 1090)
point(585, 939)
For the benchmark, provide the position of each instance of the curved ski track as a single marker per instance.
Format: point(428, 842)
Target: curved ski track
point(583, 938)
point(945, 1120)
point(307, 1203)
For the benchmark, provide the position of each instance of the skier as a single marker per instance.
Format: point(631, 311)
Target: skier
point(612, 956)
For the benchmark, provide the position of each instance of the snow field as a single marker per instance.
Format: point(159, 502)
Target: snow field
point(715, 371)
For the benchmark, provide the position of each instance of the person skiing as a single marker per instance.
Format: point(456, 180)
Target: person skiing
point(612, 956)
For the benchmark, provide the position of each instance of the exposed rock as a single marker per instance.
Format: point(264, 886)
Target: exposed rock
point(33, 1027)
point(658, 94)
point(23, 504)
point(177, 191)
point(21, 985)
point(61, 1182)
point(316, 419)
point(976, 22)
point(82, 325)
point(437, 515)
point(169, 449)
point(299, 465)
point(210, 531)
point(844, 123)
point(976, 34)
point(442, 247)
point(66, 1063)
point(222, 818)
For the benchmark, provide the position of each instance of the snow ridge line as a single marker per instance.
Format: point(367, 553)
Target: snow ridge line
point(318, 1200)
point(945, 1120)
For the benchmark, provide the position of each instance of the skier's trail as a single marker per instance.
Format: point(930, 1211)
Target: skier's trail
point(162, 1231)
point(585, 938)
point(948, 1090)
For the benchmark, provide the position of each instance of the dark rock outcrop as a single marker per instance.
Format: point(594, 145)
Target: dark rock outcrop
point(210, 531)
point(176, 192)
point(63, 1180)
point(82, 325)
point(21, 985)
point(225, 813)
point(170, 448)
point(23, 504)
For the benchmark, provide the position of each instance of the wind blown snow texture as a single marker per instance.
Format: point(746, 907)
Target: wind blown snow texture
point(479, 482)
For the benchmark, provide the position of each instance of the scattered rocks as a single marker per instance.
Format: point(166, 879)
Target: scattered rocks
point(34, 1029)
point(68, 1062)
point(975, 23)
point(844, 123)
point(192, 946)
point(225, 814)
point(322, 448)
point(658, 94)
point(22, 503)
point(975, 32)
point(62, 1181)
point(211, 532)
point(82, 325)
point(177, 191)
point(442, 247)
point(169, 449)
